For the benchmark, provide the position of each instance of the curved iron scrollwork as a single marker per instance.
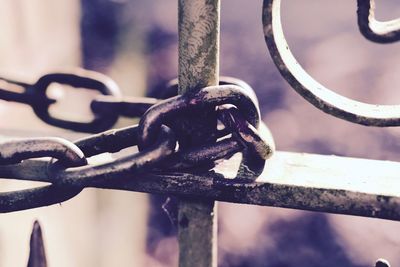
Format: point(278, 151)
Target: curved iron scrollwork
point(320, 96)
point(376, 31)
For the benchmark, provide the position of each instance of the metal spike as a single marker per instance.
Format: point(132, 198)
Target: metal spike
point(382, 263)
point(37, 254)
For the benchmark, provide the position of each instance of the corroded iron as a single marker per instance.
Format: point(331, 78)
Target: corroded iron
point(145, 159)
point(197, 172)
point(289, 180)
point(71, 173)
point(258, 147)
point(12, 152)
point(158, 114)
point(68, 182)
point(198, 53)
point(15, 151)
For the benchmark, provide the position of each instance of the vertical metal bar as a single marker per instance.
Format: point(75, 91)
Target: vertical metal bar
point(37, 255)
point(199, 23)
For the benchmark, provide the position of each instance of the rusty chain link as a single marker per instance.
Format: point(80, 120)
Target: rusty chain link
point(16, 151)
point(234, 102)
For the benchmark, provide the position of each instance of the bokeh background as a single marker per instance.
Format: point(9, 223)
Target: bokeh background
point(135, 43)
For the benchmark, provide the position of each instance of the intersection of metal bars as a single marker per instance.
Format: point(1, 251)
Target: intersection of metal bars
point(292, 180)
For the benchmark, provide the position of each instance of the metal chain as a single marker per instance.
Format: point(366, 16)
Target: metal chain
point(234, 102)
point(106, 107)
point(160, 146)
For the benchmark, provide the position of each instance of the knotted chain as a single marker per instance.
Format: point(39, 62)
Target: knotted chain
point(67, 166)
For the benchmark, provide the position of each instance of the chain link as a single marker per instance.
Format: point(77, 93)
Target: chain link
point(35, 95)
point(233, 100)
point(18, 150)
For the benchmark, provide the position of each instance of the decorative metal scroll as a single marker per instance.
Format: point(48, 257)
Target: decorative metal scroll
point(320, 96)
point(374, 30)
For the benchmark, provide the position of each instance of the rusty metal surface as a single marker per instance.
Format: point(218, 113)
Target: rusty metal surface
point(293, 180)
point(332, 184)
point(66, 183)
point(15, 151)
point(18, 150)
point(157, 149)
point(321, 97)
point(257, 146)
point(198, 53)
point(207, 97)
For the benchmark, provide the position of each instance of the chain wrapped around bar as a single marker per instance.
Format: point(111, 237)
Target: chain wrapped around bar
point(234, 103)
point(242, 97)
point(68, 182)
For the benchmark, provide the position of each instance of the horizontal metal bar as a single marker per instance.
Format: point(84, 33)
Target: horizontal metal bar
point(330, 184)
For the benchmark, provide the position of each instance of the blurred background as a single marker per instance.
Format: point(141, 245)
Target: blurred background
point(135, 43)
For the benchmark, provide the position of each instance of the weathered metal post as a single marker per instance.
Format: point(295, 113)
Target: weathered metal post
point(199, 23)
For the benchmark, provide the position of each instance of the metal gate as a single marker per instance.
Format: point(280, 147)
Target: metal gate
point(188, 144)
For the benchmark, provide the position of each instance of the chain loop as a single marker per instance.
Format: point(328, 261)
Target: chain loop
point(127, 165)
point(157, 115)
point(247, 133)
point(67, 179)
point(106, 107)
point(257, 149)
point(233, 100)
point(80, 79)
point(13, 152)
